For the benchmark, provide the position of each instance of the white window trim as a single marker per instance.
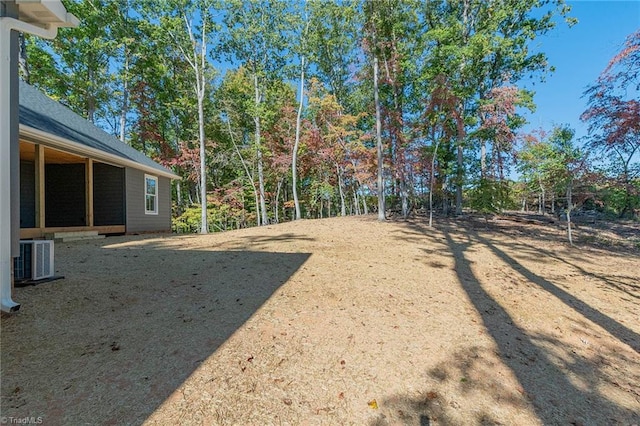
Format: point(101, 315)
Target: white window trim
point(154, 178)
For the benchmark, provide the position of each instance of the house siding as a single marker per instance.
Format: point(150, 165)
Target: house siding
point(137, 219)
point(108, 195)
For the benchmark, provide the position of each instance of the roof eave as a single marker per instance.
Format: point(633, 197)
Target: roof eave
point(53, 141)
point(46, 13)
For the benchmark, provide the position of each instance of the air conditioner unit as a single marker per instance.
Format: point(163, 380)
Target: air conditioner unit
point(35, 261)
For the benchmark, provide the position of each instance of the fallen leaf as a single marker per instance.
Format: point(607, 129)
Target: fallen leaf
point(373, 404)
point(432, 395)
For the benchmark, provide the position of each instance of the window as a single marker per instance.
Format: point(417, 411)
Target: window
point(150, 194)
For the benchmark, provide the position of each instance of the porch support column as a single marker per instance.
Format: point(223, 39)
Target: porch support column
point(40, 187)
point(88, 191)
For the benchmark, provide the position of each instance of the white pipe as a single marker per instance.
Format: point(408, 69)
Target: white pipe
point(6, 26)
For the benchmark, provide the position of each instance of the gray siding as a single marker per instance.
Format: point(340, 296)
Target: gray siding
point(137, 220)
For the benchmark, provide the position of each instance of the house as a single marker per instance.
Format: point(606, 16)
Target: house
point(76, 177)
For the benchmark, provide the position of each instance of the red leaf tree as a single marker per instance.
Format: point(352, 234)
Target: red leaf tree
point(613, 116)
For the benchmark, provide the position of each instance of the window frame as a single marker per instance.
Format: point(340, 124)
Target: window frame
point(147, 194)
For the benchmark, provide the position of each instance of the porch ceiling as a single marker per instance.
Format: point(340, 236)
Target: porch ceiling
point(51, 156)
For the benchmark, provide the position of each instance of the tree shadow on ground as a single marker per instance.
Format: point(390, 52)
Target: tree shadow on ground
point(559, 385)
point(624, 283)
point(117, 346)
point(612, 236)
point(621, 332)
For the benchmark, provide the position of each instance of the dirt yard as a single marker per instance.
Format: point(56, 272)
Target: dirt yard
point(334, 322)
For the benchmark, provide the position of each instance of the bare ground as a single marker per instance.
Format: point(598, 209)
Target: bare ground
point(334, 321)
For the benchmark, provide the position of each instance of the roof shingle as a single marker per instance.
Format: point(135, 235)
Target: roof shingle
point(40, 112)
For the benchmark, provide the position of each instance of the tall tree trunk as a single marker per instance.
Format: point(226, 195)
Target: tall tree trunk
point(459, 178)
point(263, 204)
point(460, 160)
point(179, 196)
point(483, 159)
point(197, 61)
point(276, 217)
point(381, 200)
point(445, 200)
point(204, 229)
point(125, 96)
point(365, 208)
point(569, 208)
point(91, 102)
point(628, 187)
point(294, 157)
point(460, 121)
point(200, 88)
point(343, 208)
point(399, 140)
point(246, 170)
point(540, 196)
point(404, 195)
point(432, 181)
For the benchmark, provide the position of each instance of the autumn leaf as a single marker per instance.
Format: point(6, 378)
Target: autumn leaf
point(373, 404)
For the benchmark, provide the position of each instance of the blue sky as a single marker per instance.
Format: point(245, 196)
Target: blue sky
point(579, 54)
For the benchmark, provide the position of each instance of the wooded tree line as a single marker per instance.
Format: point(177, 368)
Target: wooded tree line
point(274, 110)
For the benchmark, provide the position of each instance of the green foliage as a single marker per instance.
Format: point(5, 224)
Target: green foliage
point(491, 196)
point(615, 201)
point(440, 63)
point(76, 65)
point(332, 45)
point(319, 192)
point(189, 221)
point(220, 217)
